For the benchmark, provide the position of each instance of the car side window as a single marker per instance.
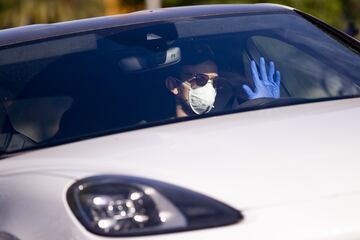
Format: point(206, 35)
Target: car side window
point(303, 75)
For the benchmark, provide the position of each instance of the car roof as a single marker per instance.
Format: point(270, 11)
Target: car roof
point(40, 31)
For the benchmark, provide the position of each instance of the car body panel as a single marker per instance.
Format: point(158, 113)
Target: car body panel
point(330, 218)
point(220, 151)
point(310, 193)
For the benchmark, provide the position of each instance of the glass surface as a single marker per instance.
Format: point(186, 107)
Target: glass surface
point(83, 85)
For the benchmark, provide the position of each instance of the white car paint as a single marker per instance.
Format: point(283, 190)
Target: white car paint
point(292, 171)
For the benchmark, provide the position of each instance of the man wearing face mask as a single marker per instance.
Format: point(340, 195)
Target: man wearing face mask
point(195, 88)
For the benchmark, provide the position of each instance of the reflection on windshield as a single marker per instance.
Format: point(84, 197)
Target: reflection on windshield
point(81, 86)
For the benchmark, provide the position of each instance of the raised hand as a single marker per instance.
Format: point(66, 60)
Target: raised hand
point(268, 85)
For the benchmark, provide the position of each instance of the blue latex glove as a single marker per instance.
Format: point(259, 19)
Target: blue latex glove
point(266, 86)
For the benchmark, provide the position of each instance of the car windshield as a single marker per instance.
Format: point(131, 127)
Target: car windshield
point(110, 80)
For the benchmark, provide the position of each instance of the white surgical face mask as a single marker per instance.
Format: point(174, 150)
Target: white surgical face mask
point(201, 99)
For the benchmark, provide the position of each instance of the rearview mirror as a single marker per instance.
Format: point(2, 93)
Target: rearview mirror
point(146, 60)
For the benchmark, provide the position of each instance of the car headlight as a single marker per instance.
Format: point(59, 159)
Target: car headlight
point(130, 206)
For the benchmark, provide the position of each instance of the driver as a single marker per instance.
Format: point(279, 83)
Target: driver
point(195, 87)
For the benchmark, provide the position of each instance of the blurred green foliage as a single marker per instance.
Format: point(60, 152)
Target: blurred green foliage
point(334, 12)
point(22, 12)
point(337, 13)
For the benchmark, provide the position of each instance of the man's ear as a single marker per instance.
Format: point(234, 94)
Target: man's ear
point(172, 85)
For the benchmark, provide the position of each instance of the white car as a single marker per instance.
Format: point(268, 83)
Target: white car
point(204, 122)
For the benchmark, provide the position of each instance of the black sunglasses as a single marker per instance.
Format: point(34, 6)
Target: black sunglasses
point(201, 79)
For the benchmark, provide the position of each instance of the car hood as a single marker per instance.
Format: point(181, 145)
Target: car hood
point(250, 159)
